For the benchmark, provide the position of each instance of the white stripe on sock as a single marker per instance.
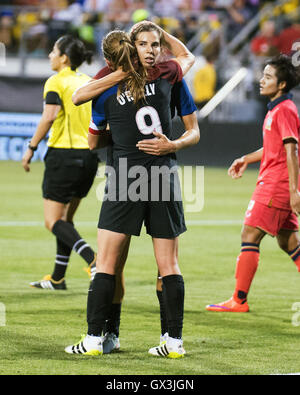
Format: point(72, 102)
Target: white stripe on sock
point(61, 263)
point(77, 242)
point(82, 248)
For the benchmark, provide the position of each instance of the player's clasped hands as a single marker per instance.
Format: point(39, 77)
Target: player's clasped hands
point(237, 168)
point(158, 146)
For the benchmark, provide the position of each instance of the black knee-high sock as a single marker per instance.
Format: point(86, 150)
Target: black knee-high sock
point(162, 310)
point(99, 302)
point(173, 294)
point(114, 319)
point(63, 253)
point(66, 232)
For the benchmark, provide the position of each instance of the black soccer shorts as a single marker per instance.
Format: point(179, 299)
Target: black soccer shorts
point(162, 217)
point(68, 173)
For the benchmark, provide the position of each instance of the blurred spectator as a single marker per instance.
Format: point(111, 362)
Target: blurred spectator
point(72, 13)
point(266, 43)
point(205, 80)
point(96, 5)
point(166, 8)
point(287, 37)
point(212, 5)
point(254, 5)
point(6, 29)
point(63, 21)
point(189, 26)
point(118, 14)
point(239, 14)
point(189, 5)
point(36, 36)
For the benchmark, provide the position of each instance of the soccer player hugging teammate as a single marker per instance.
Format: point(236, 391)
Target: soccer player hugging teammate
point(125, 108)
point(70, 167)
point(275, 203)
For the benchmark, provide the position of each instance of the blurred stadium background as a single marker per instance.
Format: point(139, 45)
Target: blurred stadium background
point(226, 36)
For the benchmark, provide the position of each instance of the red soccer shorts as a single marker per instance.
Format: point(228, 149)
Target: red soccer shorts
point(270, 219)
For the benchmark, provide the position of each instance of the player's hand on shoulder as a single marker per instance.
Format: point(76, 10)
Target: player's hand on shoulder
point(237, 168)
point(27, 159)
point(158, 146)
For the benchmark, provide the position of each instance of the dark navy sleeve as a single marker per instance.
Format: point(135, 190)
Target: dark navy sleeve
point(182, 100)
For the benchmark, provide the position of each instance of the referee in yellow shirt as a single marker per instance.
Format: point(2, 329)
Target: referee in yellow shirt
point(70, 167)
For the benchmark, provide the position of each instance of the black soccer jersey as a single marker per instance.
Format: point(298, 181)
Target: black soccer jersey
point(130, 123)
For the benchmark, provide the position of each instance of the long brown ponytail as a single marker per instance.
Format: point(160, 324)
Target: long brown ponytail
point(118, 49)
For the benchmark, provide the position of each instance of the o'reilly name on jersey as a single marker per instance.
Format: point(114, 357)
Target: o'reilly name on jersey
point(126, 96)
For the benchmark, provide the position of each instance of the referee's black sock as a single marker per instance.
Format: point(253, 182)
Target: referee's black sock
point(100, 297)
point(63, 253)
point(173, 294)
point(66, 232)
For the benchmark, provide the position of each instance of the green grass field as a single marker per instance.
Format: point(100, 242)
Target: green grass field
point(39, 323)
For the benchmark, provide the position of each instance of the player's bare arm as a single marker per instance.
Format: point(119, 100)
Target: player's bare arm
point(291, 147)
point(94, 88)
point(161, 145)
point(101, 140)
point(236, 170)
point(48, 117)
point(182, 55)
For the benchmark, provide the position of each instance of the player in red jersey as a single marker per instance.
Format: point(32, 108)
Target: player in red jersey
point(275, 203)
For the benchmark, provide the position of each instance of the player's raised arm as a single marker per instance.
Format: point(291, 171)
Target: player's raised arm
point(94, 87)
point(236, 170)
point(182, 55)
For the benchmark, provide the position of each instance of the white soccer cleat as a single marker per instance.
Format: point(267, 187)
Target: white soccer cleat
point(110, 343)
point(88, 345)
point(168, 347)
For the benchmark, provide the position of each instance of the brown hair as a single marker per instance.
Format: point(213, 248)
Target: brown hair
point(118, 49)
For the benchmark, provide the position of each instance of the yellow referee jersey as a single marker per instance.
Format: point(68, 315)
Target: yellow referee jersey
point(70, 129)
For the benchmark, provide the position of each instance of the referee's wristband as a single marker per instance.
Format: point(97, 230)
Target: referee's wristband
point(31, 147)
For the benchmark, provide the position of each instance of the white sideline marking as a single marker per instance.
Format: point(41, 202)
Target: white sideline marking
point(224, 222)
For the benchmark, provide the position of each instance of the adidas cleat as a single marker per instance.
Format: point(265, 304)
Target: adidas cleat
point(110, 343)
point(230, 306)
point(48, 283)
point(88, 345)
point(170, 348)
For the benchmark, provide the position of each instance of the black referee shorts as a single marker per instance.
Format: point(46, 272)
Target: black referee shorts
point(68, 173)
point(163, 218)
